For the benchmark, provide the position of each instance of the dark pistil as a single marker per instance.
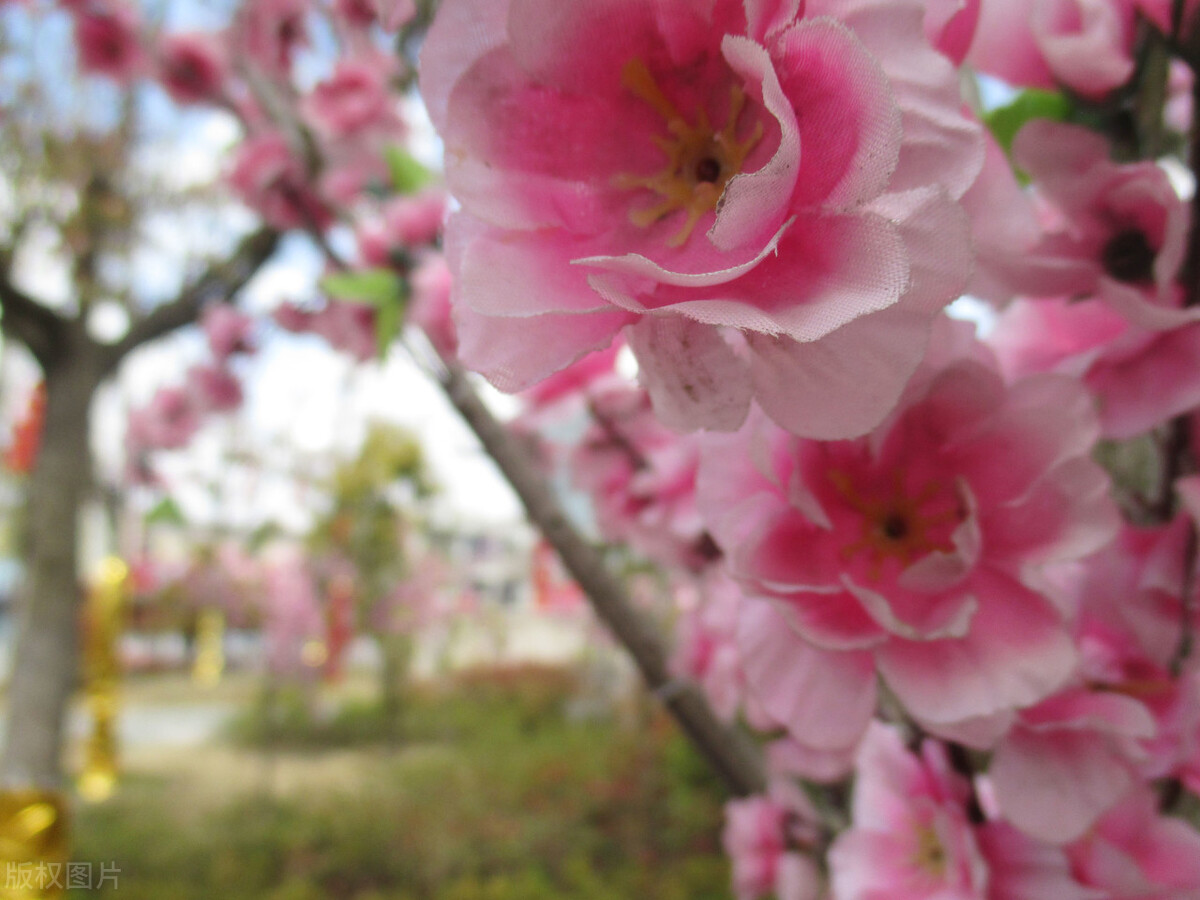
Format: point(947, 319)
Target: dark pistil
point(708, 169)
point(894, 527)
point(1128, 257)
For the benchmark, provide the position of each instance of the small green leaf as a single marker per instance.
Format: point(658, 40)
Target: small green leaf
point(166, 512)
point(377, 287)
point(389, 319)
point(1005, 121)
point(408, 175)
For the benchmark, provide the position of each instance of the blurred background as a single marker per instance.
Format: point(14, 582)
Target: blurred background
point(321, 652)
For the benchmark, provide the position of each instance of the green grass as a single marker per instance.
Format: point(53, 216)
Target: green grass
point(493, 795)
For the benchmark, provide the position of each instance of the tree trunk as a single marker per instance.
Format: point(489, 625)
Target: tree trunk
point(46, 660)
point(397, 654)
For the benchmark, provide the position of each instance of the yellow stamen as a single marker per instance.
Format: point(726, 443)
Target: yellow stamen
point(700, 159)
point(930, 855)
point(897, 524)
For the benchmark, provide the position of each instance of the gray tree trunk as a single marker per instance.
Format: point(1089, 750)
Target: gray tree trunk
point(45, 663)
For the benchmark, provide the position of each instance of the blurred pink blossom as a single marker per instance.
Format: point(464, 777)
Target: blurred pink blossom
point(273, 181)
point(107, 37)
point(191, 67)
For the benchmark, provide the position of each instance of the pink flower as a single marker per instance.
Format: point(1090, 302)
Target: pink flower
point(273, 181)
point(269, 31)
point(352, 100)
point(1083, 44)
point(1005, 227)
point(765, 192)
point(706, 647)
point(349, 327)
point(570, 389)
point(641, 478)
point(915, 551)
point(762, 836)
point(390, 14)
point(407, 223)
point(191, 68)
point(291, 317)
point(950, 26)
point(788, 756)
point(352, 170)
point(1135, 853)
point(1140, 377)
point(429, 306)
point(911, 838)
point(171, 419)
point(417, 219)
point(1119, 232)
point(214, 388)
point(227, 330)
point(1067, 760)
point(1020, 868)
point(1128, 597)
point(107, 37)
point(1129, 633)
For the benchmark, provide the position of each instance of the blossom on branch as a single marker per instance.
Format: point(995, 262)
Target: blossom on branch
point(765, 194)
point(915, 552)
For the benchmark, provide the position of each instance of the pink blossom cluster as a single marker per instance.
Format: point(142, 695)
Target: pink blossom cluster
point(340, 124)
point(916, 562)
point(899, 557)
point(348, 327)
point(174, 414)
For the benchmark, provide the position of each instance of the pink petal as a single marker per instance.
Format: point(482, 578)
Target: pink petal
point(498, 346)
point(842, 385)
point(462, 32)
point(693, 376)
point(849, 133)
point(1016, 653)
point(520, 274)
point(1053, 786)
point(823, 698)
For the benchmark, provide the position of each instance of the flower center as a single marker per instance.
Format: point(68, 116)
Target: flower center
point(930, 855)
point(700, 159)
point(897, 523)
point(1128, 257)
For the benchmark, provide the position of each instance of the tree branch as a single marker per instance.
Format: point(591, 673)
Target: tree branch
point(735, 759)
point(220, 281)
point(33, 324)
point(36, 326)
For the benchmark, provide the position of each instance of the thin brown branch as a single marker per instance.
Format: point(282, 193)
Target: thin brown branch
point(220, 282)
point(615, 437)
point(729, 752)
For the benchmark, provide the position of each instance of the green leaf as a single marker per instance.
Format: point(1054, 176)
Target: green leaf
point(389, 319)
point(408, 175)
point(378, 287)
point(1005, 121)
point(166, 512)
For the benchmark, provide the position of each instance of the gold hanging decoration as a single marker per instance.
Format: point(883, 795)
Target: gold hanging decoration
point(33, 844)
point(210, 647)
point(104, 614)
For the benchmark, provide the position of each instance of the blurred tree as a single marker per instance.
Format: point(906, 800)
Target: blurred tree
point(79, 203)
point(375, 498)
